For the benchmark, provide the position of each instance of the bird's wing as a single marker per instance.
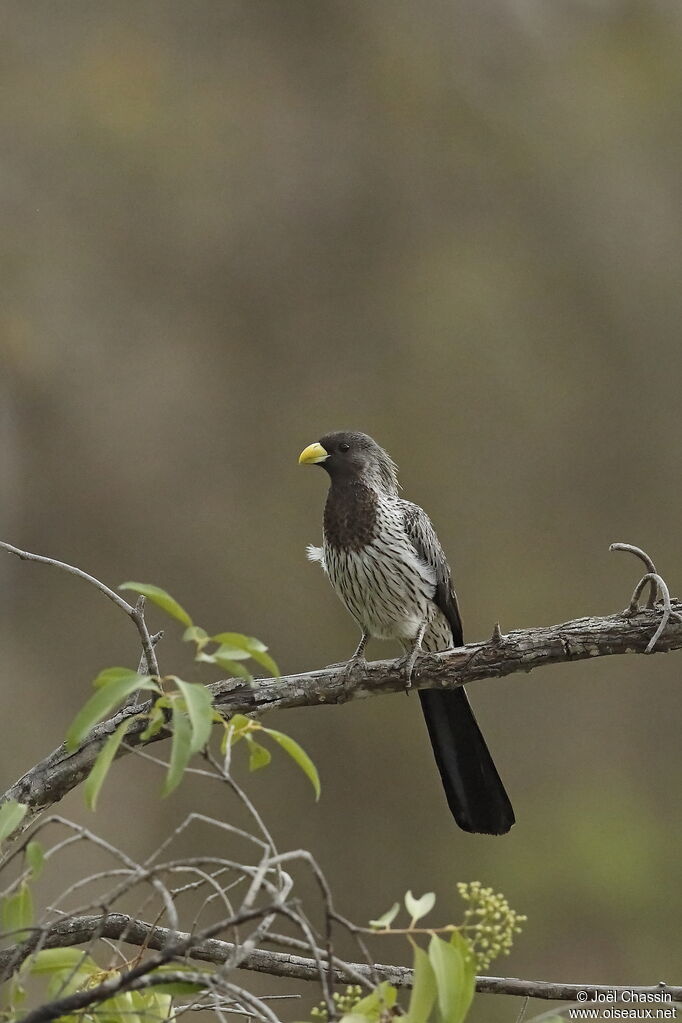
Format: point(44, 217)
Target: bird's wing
point(419, 529)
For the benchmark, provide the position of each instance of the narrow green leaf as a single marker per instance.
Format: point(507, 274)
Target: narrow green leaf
point(383, 997)
point(11, 816)
point(103, 762)
point(17, 913)
point(35, 858)
point(233, 667)
point(387, 918)
point(181, 750)
point(458, 941)
point(267, 661)
point(423, 993)
point(454, 986)
point(161, 598)
point(109, 675)
point(299, 755)
point(417, 908)
point(259, 756)
point(102, 702)
point(200, 709)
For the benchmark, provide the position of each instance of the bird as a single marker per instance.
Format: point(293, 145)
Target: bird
point(385, 562)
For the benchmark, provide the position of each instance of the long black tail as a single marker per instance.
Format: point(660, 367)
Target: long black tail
point(475, 793)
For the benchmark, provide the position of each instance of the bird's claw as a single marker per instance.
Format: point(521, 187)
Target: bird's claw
point(353, 670)
point(406, 666)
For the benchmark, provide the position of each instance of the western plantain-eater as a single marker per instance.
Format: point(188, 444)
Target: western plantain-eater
point(385, 562)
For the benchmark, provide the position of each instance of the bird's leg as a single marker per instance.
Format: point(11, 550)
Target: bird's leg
point(356, 664)
point(407, 663)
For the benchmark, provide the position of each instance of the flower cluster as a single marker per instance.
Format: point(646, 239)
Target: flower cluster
point(489, 922)
point(344, 1003)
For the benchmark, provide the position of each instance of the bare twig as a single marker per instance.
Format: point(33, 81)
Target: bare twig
point(135, 612)
point(630, 548)
point(79, 930)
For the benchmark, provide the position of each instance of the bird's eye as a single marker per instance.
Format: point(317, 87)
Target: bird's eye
point(344, 447)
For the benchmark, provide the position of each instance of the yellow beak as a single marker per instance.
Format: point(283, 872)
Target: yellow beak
point(312, 454)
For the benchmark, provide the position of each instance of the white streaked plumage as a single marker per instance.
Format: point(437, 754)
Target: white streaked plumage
point(387, 586)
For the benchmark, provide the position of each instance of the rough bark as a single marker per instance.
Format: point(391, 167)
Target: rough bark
point(519, 651)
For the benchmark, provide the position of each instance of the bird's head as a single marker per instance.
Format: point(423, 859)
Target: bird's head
point(347, 456)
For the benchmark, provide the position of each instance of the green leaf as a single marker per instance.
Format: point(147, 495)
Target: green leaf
point(387, 918)
point(225, 662)
point(103, 762)
point(181, 750)
point(247, 646)
point(259, 756)
point(157, 720)
point(299, 755)
point(200, 709)
point(235, 729)
point(161, 599)
point(458, 941)
point(120, 1007)
point(152, 1004)
point(195, 634)
point(54, 960)
point(11, 816)
point(423, 993)
point(267, 661)
point(112, 686)
point(238, 639)
point(69, 980)
point(383, 997)
point(454, 981)
point(417, 908)
point(35, 858)
point(239, 722)
point(17, 913)
point(110, 675)
point(226, 652)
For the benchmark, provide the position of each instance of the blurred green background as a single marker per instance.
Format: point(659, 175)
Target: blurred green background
point(229, 228)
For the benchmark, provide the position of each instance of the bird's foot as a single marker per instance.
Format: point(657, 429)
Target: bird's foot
point(353, 669)
point(406, 666)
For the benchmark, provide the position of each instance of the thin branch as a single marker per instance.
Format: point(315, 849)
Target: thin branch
point(630, 548)
point(522, 650)
point(174, 949)
point(135, 612)
point(173, 944)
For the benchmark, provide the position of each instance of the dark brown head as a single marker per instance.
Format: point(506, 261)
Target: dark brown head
point(348, 455)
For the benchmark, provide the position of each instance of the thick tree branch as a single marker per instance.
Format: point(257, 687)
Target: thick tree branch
point(115, 926)
point(521, 650)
